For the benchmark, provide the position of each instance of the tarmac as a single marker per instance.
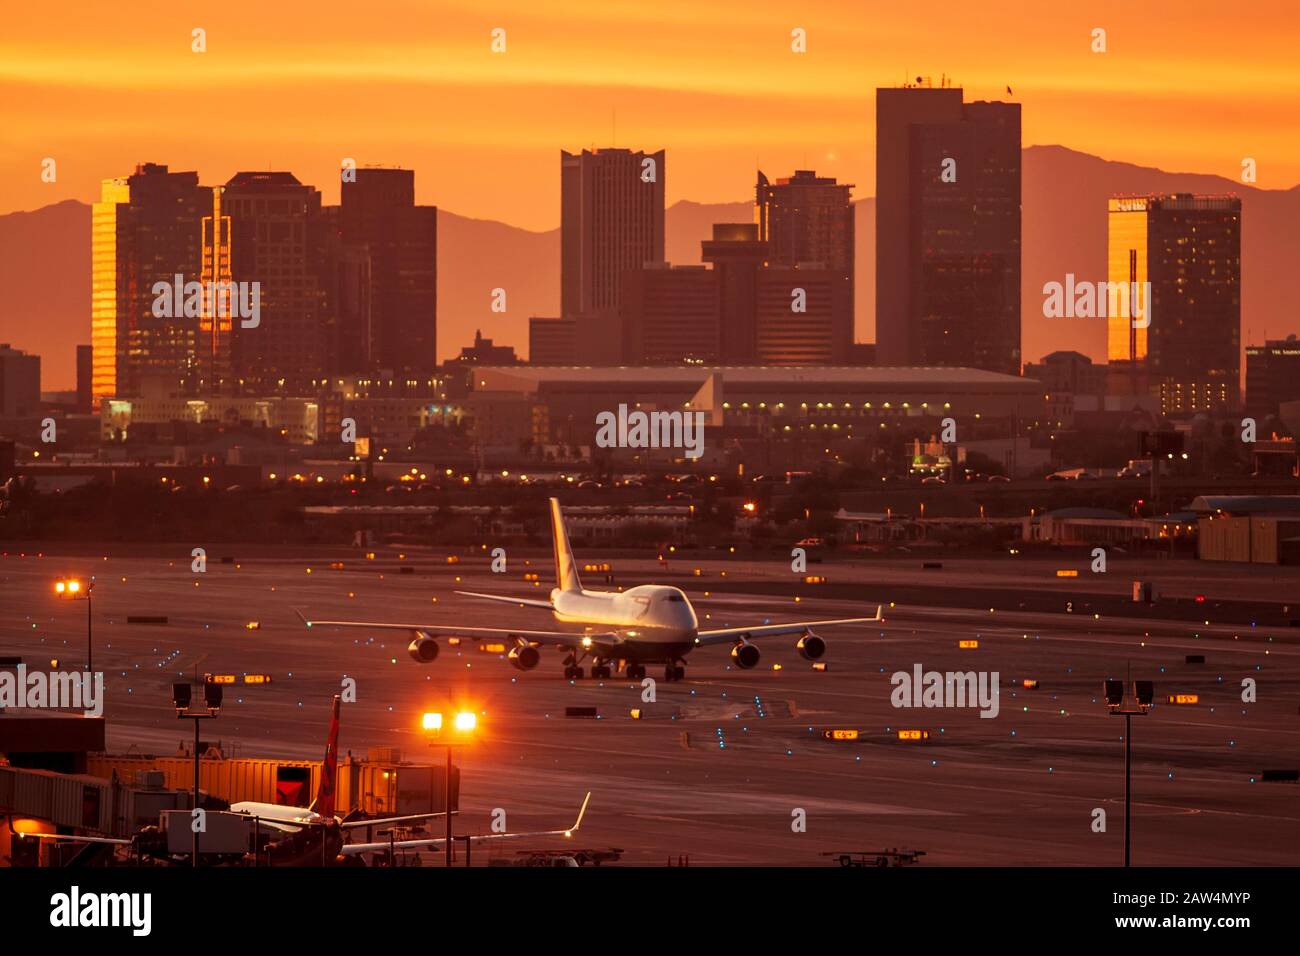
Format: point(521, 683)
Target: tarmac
point(730, 766)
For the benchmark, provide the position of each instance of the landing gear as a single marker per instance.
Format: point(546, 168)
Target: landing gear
point(635, 671)
point(674, 672)
point(600, 671)
point(573, 670)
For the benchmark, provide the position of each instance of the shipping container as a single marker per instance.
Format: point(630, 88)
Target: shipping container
point(1224, 539)
point(1263, 541)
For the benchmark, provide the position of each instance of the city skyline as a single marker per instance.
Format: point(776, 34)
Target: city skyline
point(1263, 282)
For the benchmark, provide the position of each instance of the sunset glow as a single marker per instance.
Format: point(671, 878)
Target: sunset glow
point(416, 84)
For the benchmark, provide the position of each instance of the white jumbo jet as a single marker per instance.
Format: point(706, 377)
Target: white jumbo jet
point(648, 624)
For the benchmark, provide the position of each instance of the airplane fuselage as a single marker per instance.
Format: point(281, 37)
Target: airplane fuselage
point(278, 814)
point(655, 621)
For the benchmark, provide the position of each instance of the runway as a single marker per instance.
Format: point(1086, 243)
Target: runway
point(722, 764)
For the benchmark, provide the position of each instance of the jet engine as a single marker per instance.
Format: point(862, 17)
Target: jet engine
point(424, 649)
point(745, 655)
point(524, 657)
point(811, 647)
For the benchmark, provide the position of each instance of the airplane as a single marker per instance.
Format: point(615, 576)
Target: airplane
point(626, 630)
point(321, 814)
point(297, 842)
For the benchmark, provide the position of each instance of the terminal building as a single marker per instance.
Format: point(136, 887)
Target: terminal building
point(814, 404)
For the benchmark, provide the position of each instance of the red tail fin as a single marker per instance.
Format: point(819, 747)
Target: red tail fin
point(324, 802)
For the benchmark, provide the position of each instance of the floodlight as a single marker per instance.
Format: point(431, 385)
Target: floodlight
point(1144, 691)
point(1114, 694)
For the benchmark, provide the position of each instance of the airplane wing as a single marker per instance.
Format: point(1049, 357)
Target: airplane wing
point(506, 599)
point(389, 821)
point(356, 849)
point(729, 635)
point(559, 638)
point(73, 839)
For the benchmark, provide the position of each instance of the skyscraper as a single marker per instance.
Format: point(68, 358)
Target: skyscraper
point(85, 373)
point(378, 212)
point(215, 340)
point(1272, 375)
point(612, 220)
point(670, 315)
point(803, 317)
point(551, 341)
point(146, 228)
point(20, 383)
point(737, 255)
point(947, 230)
point(1189, 248)
point(343, 272)
point(807, 219)
point(273, 219)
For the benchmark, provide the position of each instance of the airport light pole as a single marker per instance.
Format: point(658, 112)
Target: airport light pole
point(1143, 693)
point(181, 697)
point(464, 725)
point(71, 589)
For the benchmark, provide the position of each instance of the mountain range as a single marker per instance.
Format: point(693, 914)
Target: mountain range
point(45, 261)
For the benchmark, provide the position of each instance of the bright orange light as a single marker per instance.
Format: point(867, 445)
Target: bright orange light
point(60, 587)
point(750, 507)
point(433, 721)
point(466, 721)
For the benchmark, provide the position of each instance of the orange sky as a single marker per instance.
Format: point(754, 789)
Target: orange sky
point(1186, 86)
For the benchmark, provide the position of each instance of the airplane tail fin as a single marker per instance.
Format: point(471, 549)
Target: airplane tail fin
point(582, 812)
point(324, 802)
point(566, 569)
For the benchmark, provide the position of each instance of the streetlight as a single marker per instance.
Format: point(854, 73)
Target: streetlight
point(181, 696)
point(1143, 693)
point(70, 589)
point(463, 725)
